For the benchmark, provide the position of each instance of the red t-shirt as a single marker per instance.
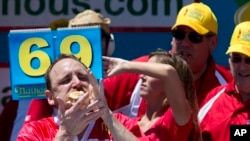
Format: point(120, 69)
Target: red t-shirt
point(215, 75)
point(45, 130)
point(164, 128)
point(225, 110)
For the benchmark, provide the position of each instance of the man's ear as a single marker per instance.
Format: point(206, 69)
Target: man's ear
point(50, 97)
point(213, 43)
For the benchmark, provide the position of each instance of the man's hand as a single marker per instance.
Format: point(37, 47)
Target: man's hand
point(74, 120)
point(113, 66)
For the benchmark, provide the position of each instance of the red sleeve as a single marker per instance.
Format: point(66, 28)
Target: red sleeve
point(176, 132)
point(118, 89)
point(44, 129)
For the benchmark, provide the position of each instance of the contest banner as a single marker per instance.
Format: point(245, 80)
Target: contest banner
point(33, 50)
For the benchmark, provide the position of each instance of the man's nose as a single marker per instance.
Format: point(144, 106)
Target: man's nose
point(243, 65)
point(185, 42)
point(76, 82)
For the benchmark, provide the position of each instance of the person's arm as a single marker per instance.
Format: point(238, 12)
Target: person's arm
point(120, 87)
point(118, 131)
point(172, 84)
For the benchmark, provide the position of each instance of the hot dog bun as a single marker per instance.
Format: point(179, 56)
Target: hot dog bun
point(72, 98)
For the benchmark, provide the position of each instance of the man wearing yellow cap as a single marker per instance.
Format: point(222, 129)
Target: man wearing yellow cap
point(231, 105)
point(195, 38)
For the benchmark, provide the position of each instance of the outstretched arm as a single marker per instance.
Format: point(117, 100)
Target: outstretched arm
point(172, 84)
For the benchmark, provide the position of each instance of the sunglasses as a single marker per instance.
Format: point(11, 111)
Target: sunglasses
point(237, 59)
point(193, 37)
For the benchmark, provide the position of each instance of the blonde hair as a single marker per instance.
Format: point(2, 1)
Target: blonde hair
point(186, 77)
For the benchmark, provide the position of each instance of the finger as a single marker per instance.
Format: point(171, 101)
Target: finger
point(92, 79)
point(105, 58)
point(105, 72)
point(106, 61)
point(83, 100)
point(101, 89)
point(61, 108)
point(94, 105)
point(102, 95)
point(93, 85)
point(93, 115)
point(101, 86)
point(107, 65)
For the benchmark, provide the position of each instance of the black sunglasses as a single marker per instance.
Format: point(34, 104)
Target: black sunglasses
point(193, 37)
point(236, 58)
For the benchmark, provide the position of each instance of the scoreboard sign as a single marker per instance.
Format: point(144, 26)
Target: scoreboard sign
point(33, 50)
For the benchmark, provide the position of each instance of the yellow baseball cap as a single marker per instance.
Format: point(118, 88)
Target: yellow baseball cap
point(197, 16)
point(240, 40)
point(89, 17)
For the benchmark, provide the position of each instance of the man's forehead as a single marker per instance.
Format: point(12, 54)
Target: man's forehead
point(68, 63)
point(64, 62)
point(184, 27)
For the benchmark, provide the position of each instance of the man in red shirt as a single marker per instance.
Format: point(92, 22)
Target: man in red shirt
point(230, 104)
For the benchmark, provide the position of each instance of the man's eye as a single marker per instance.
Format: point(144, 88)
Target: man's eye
point(83, 78)
point(65, 81)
